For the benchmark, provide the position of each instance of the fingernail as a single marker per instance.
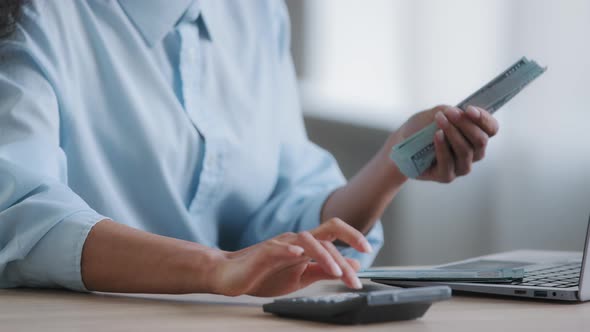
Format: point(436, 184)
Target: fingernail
point(441, 119)
point(473, 112)
point(357, 283)
point(440, 136)
point(296, 250)
point(336, 270)
point(453, 114)
point(367, 247)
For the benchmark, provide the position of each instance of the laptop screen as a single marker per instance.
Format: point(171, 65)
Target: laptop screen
point(584, 292)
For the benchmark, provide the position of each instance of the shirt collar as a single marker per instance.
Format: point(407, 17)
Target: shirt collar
point(155, 18)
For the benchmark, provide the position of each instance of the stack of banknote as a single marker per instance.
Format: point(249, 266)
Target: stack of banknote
point(416, 153)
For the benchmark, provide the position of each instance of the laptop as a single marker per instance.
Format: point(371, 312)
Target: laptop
point(549, 275)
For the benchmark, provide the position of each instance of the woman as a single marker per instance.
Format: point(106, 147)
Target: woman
point(159, 147)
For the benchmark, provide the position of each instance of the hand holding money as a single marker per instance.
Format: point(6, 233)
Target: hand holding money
point(417, 153)
point(460, 139)
point(438, 145)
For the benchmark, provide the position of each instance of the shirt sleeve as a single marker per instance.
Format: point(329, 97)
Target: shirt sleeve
point(43, 223)
point(307, 173)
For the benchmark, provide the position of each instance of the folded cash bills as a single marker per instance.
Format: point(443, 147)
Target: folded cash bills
point(416, 153)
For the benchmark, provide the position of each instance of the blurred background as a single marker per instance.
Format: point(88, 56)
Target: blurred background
point(366, 65)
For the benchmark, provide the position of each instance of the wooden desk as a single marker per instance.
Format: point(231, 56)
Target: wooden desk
point(54, 310)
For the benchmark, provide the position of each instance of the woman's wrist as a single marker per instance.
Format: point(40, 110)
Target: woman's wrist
point(206, 268)
point(392, 177)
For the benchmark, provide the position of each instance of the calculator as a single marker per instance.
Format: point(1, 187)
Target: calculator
point(361, 307)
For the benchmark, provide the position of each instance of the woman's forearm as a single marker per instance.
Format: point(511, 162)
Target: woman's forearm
point(118, 258)
point(362, 201)
point(459, 142)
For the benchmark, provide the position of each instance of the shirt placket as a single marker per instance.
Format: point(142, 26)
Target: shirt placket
point(205, 120)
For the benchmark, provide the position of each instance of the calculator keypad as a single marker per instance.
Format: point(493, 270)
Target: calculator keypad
point(336, 298)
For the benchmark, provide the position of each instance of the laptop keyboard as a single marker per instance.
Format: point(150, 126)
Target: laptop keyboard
point(560, 276)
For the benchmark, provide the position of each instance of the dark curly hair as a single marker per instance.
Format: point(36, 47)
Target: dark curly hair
point(9, 13)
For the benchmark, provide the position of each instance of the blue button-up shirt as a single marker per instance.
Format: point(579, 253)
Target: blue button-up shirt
point(177, 117)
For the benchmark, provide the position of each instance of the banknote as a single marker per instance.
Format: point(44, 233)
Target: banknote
point(416, 153)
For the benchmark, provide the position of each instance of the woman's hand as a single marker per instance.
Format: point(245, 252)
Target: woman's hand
point(460, 141)
point(290, 261)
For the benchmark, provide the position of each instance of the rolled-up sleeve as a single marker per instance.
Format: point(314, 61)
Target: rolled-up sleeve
point(307, 173)
point(43, 226)
point(43, 223)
